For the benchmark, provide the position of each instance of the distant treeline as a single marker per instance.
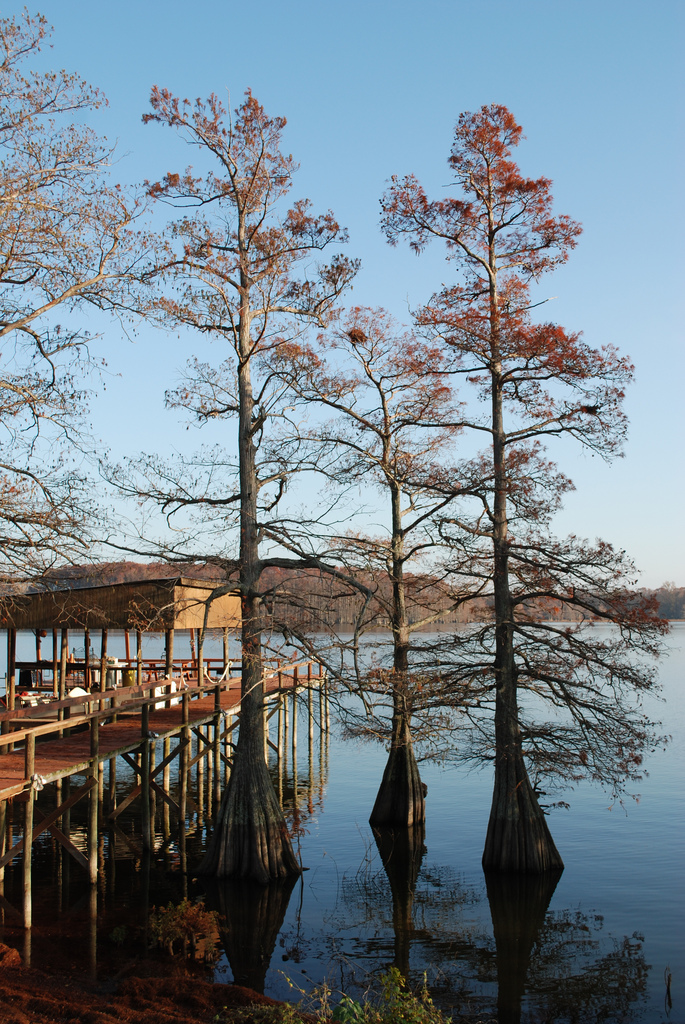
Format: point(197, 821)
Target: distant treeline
point(671, 601)
point(310, 599)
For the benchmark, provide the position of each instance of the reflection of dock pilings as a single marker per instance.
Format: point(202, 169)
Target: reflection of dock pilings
point(147, 730)
point(289, 708)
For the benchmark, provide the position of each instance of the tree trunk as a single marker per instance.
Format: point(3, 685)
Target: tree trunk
point(518, 838)
point(401, 798)
point(251, 838)
point(401, 795)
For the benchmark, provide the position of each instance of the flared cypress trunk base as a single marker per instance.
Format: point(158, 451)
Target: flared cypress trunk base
point(401, 796)
point(518, 837)
point(251, 838)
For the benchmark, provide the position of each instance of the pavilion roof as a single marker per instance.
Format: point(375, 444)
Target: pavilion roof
point(145, 598)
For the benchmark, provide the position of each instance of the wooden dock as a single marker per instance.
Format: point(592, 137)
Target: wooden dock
point(55, 741)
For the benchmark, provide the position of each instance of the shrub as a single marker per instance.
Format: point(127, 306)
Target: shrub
point(183, 924)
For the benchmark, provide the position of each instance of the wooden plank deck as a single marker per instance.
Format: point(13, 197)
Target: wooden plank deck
point(59, 757)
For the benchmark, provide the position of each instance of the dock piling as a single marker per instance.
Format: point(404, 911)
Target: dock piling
point(29, 772)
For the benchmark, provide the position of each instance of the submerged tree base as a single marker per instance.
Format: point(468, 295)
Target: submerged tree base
point(251, 838)
point(518, 837)
point(401, 799)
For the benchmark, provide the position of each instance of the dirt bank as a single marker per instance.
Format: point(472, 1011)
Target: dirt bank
point(158, 991)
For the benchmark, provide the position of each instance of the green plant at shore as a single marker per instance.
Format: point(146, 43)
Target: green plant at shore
point(394, 1005)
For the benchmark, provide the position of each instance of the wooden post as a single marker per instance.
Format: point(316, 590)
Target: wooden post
point(55, 665)
point(169, 654)
point(145, 778)
point(200, 657)
point(310, 715)
point(39, 658)
point(294, 725)
point(103, 661)
point(11, 668)
point(93, 802)
point(102, 863)
point(193, 659)
point(127, 641)
point(11, 679)
point(216, 795)
point(226, 657)
point(216, 749)
point(183, 790)
point(286, 731)
point(139, 658)
point(227, 747)
point(201, 772)
point(153, 795)
point(3, 842)
point(112, 799)
point(101, 790)
point(322, 712)
point(328, 705)
point(279, 739)
point(66, 828)
point(86, 659)
point(93, 932)
point(310, 793)
point(29, 771)
point(210, 771)
point(295, 752)
point(166, 780)
point(64, 650)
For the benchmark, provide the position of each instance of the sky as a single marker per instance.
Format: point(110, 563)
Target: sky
point(371, 89)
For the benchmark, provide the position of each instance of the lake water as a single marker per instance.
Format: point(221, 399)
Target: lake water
point(592, 945)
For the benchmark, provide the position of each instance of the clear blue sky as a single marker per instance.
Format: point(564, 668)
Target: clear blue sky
point(372, 89)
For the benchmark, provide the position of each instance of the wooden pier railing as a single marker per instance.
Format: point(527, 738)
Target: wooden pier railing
point(51, 742)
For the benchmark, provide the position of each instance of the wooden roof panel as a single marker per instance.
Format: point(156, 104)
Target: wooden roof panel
point(148, 605)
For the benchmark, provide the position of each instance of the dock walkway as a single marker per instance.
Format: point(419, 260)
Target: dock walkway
point(137, 716)
point(50, 743)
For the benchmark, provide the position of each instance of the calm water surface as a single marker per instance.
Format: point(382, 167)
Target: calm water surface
point(592, 945)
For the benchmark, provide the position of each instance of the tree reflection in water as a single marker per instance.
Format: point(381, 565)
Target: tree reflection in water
point(251, 917)
point(518, 906)
point(402, 851)
point(533, 966)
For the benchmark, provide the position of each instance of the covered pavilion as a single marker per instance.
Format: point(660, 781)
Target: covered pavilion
point(148, 599)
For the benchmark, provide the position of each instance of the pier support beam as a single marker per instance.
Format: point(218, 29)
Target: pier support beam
point(139, 658)
point(11, 667)
point(169, 654)
point(63, 654)
point(29, 769)
point(145, 779)
point(103, 661)
point(55, 665)
point(93, 800)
